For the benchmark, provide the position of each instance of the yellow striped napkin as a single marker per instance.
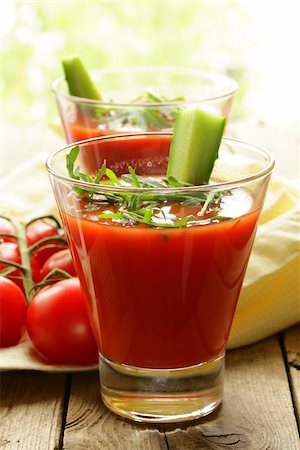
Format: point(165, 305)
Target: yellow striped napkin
point(270, 297)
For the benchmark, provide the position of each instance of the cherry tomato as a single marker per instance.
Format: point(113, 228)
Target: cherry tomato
point(6, 227)
point(58, 324)
point(13, 313)
point(10, 251)
point(39, 230)
point(60, 260)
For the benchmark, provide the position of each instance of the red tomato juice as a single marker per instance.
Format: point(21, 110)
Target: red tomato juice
point(79, 132)
point(86, 127)
point(161, 297)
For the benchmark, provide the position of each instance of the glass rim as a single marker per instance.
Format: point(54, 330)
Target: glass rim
point(227, 185)
point(139, 69)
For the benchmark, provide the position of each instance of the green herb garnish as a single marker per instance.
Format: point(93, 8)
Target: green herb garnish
point(145, 207)
point(140, 117)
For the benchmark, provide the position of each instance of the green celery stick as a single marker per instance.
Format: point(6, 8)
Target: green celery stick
point(79, 81)
point(195, 145)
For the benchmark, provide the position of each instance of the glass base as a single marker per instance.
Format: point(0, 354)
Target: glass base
point(162, 395)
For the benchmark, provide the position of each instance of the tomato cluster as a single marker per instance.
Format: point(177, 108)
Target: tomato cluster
point(36, 297)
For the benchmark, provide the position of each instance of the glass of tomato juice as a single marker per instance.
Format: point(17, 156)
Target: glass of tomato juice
point(161, 287)
point(140, 99)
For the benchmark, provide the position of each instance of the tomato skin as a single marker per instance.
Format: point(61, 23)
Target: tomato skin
point(12, 313)
point(6, 227)
point(10, 251)
point(58, 325)
point(39, 230)
point(59, 260)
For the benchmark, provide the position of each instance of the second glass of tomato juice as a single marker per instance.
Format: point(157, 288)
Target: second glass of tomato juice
point(113, 100)
point(161, 263)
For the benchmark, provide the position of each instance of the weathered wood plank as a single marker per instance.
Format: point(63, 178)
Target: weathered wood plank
point(31, 406)
point(91, 426)
point(257, 412)
point(291, 340)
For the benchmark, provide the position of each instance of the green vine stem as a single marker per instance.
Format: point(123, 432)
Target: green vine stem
point(50, 239)
point(11, 267)
point(53, 277)
point(3, 235)
point(26, 252)
point(47, 218)
point(25, 259)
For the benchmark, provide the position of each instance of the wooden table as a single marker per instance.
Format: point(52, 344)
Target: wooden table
point(44, 411)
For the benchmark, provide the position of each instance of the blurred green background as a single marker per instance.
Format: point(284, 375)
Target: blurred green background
point(253, 41)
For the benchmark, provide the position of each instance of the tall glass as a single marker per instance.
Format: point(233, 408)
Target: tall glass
point(161, 287)
point(140, 99)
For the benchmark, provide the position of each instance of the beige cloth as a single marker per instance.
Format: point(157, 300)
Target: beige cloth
point(270, 297)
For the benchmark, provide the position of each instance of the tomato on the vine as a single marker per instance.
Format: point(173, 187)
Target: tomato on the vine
point(6, 227)
point(10, 251)
point(38, 230)
point(60, 260)
point(13, 313)
point(58, 324)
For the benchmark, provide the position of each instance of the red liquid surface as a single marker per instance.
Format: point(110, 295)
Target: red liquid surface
point(161, 298)
point(86, 125)
point(79, 132)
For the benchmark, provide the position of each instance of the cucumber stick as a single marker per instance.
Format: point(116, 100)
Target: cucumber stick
point(79, 81)
point(195, 145)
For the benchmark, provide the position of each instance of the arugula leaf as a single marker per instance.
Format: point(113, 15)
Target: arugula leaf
point(71, 158)
point(100, 173)
point(110, 216)
point(152, 97)
point(113, 177)
point(172, 181)
point(134, 178)
point(147, 117)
